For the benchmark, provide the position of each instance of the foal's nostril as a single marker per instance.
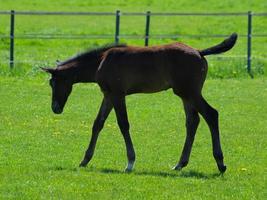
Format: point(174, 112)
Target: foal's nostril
point(56, 108)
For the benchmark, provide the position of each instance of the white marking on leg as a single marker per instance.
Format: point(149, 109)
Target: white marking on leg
point(177, 167)
point(129, 166)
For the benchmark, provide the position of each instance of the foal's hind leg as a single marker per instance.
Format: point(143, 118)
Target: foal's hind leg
point(211, 117)
point(103, 113)
point(192, 121)
point(122, 119)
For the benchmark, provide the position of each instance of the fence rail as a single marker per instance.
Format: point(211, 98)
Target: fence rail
point(118, 14)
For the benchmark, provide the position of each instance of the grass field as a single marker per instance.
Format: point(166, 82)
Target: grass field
point(32, 53)
point(40, 151)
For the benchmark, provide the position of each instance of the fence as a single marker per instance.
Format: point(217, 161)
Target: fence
point(117, 35)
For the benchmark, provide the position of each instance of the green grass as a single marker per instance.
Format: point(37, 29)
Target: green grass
point(40, 151)
point(30, 54)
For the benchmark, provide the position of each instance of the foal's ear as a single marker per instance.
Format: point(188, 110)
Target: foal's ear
point(48, 70)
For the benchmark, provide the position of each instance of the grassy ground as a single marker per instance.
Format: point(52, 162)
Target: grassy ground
point(30, 54)
point(40, 151)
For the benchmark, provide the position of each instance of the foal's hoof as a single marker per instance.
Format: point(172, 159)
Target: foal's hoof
point(222, 168)
point(127, 170)
point(129, 167)
point(84, 163)
point(177, 168)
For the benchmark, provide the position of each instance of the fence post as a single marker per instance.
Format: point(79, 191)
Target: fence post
point(147, 28)
point(117, 30)
point(249, 36)
point(12, 23)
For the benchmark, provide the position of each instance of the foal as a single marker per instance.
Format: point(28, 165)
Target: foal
point(125, 70)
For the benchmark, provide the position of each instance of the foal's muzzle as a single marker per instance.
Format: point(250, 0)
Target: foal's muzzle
point(56, 108)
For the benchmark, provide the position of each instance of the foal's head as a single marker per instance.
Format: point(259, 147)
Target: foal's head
point(61, 86)
point(81, 68)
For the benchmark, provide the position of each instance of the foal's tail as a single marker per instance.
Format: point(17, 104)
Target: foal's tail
point(224, 46)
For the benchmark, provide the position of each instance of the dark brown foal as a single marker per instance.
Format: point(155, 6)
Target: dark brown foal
point(127, 70)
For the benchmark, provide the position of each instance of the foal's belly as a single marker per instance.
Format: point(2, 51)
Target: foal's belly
point(146, 84)
point(146, 89)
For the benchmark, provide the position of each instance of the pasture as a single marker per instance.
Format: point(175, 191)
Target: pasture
point(40, 152)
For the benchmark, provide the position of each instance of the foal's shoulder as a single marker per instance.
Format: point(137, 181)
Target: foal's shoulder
point(113, 50)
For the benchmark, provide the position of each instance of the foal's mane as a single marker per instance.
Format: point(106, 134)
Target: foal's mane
point(82, 57)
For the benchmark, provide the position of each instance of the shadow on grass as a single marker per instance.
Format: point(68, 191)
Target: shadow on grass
point(171, 174)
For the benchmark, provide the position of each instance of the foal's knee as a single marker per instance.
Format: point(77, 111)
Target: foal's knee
point(124, 125)
point(98, 125)
point(192, 122)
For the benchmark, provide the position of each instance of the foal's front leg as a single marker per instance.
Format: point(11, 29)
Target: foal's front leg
point(122, 119)
point(103, 113)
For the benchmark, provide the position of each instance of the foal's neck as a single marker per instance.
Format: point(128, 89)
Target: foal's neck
point(82, 68)
point(86, 69)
